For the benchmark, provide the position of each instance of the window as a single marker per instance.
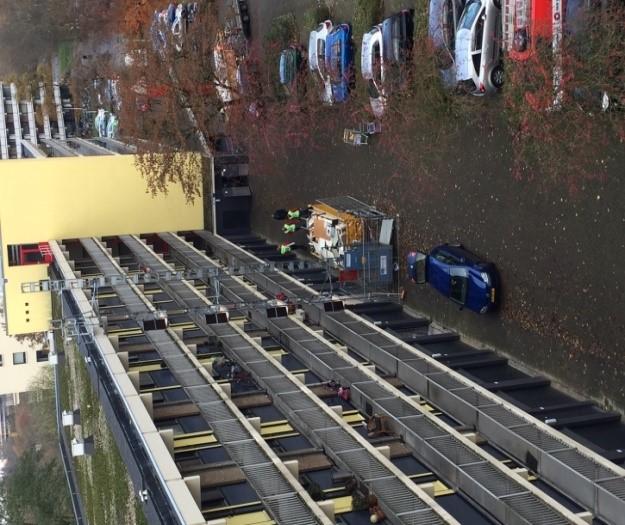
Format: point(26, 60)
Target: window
point(469, 14)
point(477, 61)
point(478, 34)
point(335, 61)
point(445, 258)
point(458, 286)
point(19, 358)
point(42, 356)
point(0, 359)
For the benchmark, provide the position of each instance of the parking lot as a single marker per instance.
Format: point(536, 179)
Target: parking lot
point(558, 252)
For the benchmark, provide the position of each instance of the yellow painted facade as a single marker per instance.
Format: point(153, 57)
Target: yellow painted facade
point(62, 198)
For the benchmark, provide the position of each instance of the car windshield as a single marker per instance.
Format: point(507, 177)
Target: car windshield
point(458, 288)
point(470, 14)
point(321, 55)
point(396, 37)
point(376, 62)
point(335, 61)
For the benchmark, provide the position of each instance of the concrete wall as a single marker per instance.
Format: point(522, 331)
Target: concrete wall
point(61, 198)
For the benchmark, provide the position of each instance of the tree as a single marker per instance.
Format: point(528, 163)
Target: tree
point(34, 489)
point(34, 492)
point(170, 103)
point(552, 120)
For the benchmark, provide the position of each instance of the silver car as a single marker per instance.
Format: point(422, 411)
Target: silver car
point(442, 28)
point(478, 47)
point(316, 58)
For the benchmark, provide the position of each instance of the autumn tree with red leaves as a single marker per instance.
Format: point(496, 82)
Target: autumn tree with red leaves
point(564, 127)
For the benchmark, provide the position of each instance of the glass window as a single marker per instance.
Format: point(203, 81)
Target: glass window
point(445, 258)
point(1, 360)
point(321, 57)
point(335, 61)
point(458, 286)
point(19, 358)
point(478, 34)
point(477, 61)
point(470, 13)
point(42, 356)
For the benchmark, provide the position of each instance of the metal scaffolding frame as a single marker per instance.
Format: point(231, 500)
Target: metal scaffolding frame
point(280, 492)
point(402, 500)
point(452, 456)
point(583, 475)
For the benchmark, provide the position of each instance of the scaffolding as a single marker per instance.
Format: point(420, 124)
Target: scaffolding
point(357, 240)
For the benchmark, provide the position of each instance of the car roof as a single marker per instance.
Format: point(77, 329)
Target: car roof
point(366, 58)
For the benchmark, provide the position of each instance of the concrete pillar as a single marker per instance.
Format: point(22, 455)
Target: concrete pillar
point(293, 466)
point(523, 472)
point(114, 339)
point(586, 516)
point(134, 379)
point(327, 506)
point(255, 422)
point(300, 377)
point(227, 388)
point(193, 348)
point(385, 450)
point(193, 483)
point(428, 488)
point(338, 409)
point(475, 437)
point(208, 367)
point(123, 357)
point(167, 434)
point(149, 403)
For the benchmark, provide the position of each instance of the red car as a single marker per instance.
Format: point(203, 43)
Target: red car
point(529, 22)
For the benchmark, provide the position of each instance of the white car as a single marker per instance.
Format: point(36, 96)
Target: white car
point(373, 70)
point(316, 58)
point(478, 47)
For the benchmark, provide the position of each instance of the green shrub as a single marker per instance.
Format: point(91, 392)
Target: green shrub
point(313, 16)
point(282, 32)
point(366, 14)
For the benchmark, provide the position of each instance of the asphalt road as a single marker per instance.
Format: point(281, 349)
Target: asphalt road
point(560, 255)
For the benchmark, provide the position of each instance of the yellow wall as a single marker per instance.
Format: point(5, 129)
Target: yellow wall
point(18, 304)
point(62, 198)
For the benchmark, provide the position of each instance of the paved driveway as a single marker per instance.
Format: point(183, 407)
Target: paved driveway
point(560, 256)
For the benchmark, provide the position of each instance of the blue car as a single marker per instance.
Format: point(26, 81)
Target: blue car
point(458, 274)
point(339, 61)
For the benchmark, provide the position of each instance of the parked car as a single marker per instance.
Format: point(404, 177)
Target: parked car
point(227, 72)
point(458, 274)
point(339, 61)
point(443, 20)
point(478, 50)
point(542, 23)
point(531, 22)
point(398, 35)
point(291, 62)
point(386, 51)
point(372, 68)
point(317, 57)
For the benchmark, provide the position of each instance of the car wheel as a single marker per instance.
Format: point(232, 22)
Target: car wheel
point(497, 76)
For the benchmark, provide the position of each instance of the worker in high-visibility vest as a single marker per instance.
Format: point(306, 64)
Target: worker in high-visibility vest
point(286, 248)
point(301, 213)
point(292, 228)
